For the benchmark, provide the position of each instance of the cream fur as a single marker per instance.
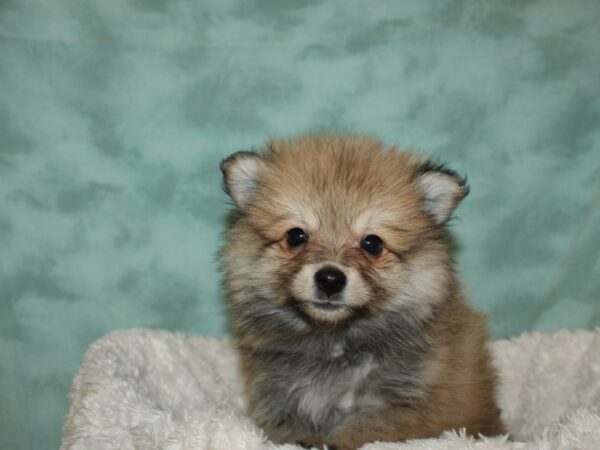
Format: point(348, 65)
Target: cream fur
point(242, 177)
point(147, 389)
point(442, 192)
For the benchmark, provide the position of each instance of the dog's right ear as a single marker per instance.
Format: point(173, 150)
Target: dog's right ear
point(241, 172)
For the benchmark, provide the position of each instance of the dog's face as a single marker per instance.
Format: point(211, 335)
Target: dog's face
point(331, 228)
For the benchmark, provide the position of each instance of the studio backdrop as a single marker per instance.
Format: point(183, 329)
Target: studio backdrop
point(114, 116)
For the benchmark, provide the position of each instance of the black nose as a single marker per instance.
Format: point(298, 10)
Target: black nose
point(330, 280)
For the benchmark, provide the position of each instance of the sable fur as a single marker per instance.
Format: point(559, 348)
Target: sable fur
point(405, 356)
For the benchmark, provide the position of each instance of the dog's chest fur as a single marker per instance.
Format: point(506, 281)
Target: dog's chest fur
point(339, 387)
point(328, 384)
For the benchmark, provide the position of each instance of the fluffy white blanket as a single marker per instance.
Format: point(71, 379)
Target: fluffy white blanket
point(143, 389)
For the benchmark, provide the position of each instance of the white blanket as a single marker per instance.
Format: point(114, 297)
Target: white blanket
point(144, 389)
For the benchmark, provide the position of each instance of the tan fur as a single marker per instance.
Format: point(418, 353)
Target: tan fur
point(339, 189)
point(462, 388)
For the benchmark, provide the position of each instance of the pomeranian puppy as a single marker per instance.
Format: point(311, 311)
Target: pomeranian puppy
point(343, 296)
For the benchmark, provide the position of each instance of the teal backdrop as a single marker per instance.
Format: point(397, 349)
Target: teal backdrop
point(114, 116)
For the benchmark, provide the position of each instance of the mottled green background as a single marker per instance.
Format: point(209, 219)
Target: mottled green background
point(114, 116)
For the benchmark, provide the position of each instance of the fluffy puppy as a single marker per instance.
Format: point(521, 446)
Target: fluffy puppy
point(343, 296)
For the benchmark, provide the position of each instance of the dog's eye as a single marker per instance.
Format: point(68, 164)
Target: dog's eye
point(296, 237)
point(372, 244)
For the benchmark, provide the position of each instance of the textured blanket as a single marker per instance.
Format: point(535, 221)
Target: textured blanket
point(144, 389)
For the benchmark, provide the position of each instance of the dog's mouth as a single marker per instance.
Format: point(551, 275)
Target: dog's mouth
point(322, 310)
point(327, 305)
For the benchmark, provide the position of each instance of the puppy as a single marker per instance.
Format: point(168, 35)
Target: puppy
point(343, 296)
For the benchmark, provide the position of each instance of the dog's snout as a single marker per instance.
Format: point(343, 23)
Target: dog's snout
point(330, 280)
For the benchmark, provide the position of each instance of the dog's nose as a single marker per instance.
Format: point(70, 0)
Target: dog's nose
point(330, 280)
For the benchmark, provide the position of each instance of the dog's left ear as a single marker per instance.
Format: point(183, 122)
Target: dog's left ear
point(241, 173)
point(442, 190)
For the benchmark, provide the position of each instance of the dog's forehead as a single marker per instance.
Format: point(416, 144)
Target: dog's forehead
point(339, 210)
point(338, 185)
point(335, 186)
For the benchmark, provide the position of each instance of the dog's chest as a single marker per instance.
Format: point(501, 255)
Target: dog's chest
point(340, 385)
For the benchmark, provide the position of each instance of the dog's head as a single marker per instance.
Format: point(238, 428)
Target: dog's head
point(331, 228)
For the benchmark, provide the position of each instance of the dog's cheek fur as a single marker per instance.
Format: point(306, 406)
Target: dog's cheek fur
point(415, 282)
point(420, 281)
point(257, 271)
point(372, 282)
point(301, 285)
